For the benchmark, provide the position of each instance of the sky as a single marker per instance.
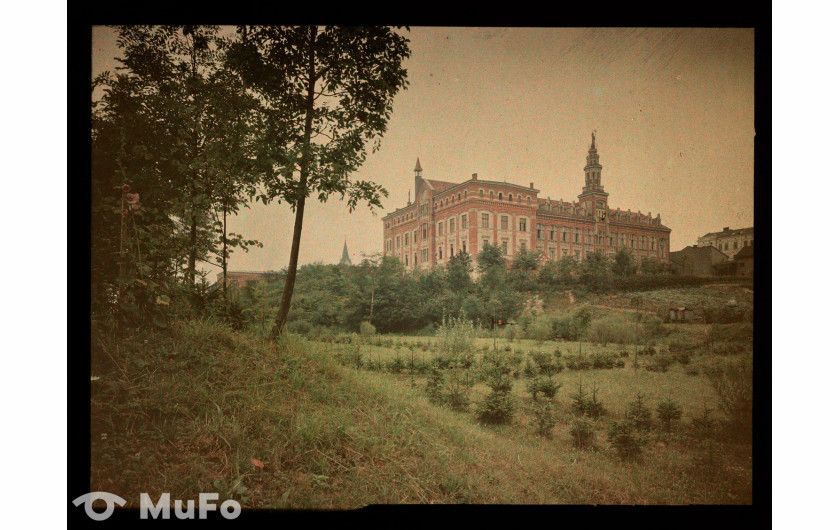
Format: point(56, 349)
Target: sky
point(673, 110)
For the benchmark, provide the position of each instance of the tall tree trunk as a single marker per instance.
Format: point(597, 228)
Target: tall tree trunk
point(288, 289)
point(193, 253)
point(224, 250)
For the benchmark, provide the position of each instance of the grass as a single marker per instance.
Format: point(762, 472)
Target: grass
point(193, 409)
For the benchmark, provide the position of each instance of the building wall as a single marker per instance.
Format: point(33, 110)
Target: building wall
point(730, 242)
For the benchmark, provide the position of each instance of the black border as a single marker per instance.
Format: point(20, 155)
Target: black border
point(591, 14)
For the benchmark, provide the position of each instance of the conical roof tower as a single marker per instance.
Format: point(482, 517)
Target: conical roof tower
point(345, 256)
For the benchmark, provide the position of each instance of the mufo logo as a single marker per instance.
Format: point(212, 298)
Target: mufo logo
point(89, 498)
point(230, 509)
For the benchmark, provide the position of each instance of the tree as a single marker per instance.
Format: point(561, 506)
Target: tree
point(458, 270)
point(325, 93)
point(594, 270)
point(623, 264)
point(173, 126)
point(522, 268)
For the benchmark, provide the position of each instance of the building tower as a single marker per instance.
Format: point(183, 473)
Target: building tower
point(593, 198)
point(345, 256)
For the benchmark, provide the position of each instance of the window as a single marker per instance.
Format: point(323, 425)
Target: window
point(523, 224)
point(726, 246)
point(552, 253)
point(464, 246)
point(464, 221)
point(440, 252)
point(485, 242)
point(519, 198)
point(451, 225)
point(451, 250)
point(539, 231)
point(504, 222)
point(440, 228)
point(415, 236)
point(406, 239)
point(485, 220)
point(564, 234)
point(577, 236)
point(522, 245)
point(459, 196)
point(510, 197)
point(500, 196)
point(415, 258)
point(528, 199)
point(735, 245)
point(425, 231)
point(504, 247)
point(480, 193)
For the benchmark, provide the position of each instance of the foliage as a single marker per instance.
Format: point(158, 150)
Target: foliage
point(639, 414)
point(366, 329)
point(586, 403)
point(623, 263)
point(668, 411)
point(544, 418)
point(325, 94)
point(733, 383)
point(625, 439)
point(582, 431)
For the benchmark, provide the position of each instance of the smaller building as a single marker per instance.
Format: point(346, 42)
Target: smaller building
point(697, 261)
point(728, 241)
point(744, 261)
point(680, 314)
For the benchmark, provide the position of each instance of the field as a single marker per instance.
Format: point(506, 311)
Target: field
point(346, 420)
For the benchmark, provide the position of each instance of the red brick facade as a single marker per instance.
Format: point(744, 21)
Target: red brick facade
point(446, 217)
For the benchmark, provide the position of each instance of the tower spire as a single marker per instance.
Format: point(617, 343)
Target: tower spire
point(417, 168)
point(345, 256)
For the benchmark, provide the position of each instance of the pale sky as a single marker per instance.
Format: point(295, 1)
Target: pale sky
point(674, 111)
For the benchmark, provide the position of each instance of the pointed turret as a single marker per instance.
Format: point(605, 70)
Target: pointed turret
point(417, 168)
point(345, 256)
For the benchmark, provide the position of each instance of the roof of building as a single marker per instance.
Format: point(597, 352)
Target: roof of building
point(727, 232)
point(694, 251)
point(746, 252)
point(345, 256)
point(417, 165)
point(440, 185)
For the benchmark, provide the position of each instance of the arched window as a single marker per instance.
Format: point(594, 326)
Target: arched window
point(459, 196)
point(510, 197)
point(480, 193)
point(500, 196)
point(519, 198)
point(528, 198)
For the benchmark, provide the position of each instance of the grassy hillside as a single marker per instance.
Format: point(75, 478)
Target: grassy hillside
point(202, 408)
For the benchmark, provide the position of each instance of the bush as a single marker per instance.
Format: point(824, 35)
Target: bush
point(301, 327)
point(732, 382)
point(585, 405)
point(660, 363)
point(434, 384)
point(650, 349)
point(396, 365)
point(545, 363)
point(497, 407)
point(366, 329)
point(638, 414)
point(625, 440)
point(578, 363)
point(605, 360)
point(543, 385)
point(583, 433)
point(668, 410)
point(544, 419)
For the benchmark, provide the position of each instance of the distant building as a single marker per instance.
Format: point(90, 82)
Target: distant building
point(697, 261)
point(345, 256)
point(744, 261)
point(447, 217)
point(728, 241)
point(237, 280)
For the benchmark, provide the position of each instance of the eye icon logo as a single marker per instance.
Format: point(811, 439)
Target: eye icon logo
point(89, 498)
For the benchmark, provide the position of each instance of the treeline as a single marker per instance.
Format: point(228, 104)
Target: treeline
point(382, 292)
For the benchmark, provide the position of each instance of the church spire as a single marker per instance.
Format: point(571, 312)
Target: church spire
point(417, 168)
point(345, 256)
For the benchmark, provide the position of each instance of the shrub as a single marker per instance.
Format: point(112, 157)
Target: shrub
point(301, 327)
point(692, 370)
point(668, 410)
point(625, 440)
point(545, 363)
point(660, 363)
point(584, 405)
point(604, 360)
point(396, 365)
point(579, 363)
point(544, 419)
point(732, 382)
point(650, 349)
point(434, 384)
point(624, 353)
point(543, 385)
point(366, 329)
point(455, 339)
point(583, 433)
point(638, 414)
point(530, 370)
point(615, 329)
point(497, 407)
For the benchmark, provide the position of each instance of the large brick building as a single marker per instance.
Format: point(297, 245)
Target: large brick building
point(446, 217)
